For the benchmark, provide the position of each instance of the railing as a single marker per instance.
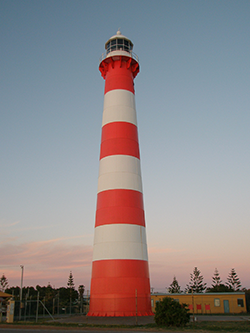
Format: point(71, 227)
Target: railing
point(132, 55)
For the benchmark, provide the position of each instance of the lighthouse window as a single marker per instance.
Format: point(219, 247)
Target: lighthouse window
point(113, 45)
point(108, 47)
point(126, 48)
point(120, 44)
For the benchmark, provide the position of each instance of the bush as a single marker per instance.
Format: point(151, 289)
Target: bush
point(170, 313)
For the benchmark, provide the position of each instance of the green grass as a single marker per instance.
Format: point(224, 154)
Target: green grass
point(211, 326)
point(204, 326)
point(221, 326)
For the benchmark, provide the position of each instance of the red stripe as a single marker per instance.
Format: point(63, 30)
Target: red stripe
point(113, 287)
point(118, 76)
point(119, 138)
point(120, 206)
point(119, 129)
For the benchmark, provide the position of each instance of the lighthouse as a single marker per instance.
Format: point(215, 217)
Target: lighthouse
point(120, 283)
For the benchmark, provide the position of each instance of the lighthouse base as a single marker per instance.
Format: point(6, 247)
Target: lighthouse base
point(121, 314)
point(120, 288)
point(120, 308)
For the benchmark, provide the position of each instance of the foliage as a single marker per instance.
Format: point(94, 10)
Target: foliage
point(216, 279)
point(222, 288)
point(65, 294)
point(217, 285)
point(70, 283)
point(71, 287)
point(170, 313)
point(174, 287)
point(81, 289)
point(3, 283)
point(196, 283)
point(233, 281)
point(54, 299)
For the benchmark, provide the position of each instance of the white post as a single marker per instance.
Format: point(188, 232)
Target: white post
point(21, 292)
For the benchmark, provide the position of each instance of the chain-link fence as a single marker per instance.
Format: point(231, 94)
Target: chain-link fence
point(36, 309)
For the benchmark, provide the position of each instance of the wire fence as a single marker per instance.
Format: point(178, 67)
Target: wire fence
point(36, 309)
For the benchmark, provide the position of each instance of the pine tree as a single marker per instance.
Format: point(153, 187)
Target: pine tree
point(3, 283)
point(217, 285)
point(233, 280)
point(196, 283)
point(174, 287)
point(70, 283)
point(216, 280)
point(71, 287)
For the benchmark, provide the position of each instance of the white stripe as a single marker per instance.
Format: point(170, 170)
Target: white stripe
point(120, 241)
point(119, 171)
point(119, 105)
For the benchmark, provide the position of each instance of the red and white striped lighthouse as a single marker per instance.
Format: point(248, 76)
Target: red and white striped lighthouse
point(120, 283)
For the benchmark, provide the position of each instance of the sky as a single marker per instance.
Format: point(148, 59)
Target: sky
point(193, 110)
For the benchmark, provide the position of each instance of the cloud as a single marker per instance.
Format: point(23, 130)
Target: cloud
point(52, 260)
point(160, 250)
point(5, 224)
point(165, 263)
point(44, 261)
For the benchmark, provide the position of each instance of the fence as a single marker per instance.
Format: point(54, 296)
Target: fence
point(35, 309)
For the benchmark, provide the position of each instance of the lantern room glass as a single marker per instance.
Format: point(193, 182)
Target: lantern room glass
point(119, 44)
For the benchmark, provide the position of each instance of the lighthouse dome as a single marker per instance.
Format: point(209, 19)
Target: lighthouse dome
point(119, 42)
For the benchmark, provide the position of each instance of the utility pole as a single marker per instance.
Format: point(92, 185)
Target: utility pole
point(21, 293)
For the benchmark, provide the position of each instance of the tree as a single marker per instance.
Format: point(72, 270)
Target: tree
point(70, 283)
point(217, 285)
point(216, 279)
point(71, 287)
point(196, 283)
point(81, 289)
point(174, 287)
point(221, 288)
point(233, 281)
point(3, 283)
point(168, 312)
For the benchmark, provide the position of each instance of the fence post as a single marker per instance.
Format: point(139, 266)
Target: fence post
point(53, 312)
point(193, 302)
point(25, 306)
point(30, 305)
point(58, 310)
point(37, 306)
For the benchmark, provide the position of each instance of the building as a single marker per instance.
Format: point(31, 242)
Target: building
point(207, 303)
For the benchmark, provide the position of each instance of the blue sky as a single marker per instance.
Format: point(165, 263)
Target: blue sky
point(193, 103)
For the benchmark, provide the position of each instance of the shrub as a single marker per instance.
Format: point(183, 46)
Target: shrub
point(170, 313)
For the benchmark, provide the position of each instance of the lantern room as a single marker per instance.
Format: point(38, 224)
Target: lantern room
point(119, 42)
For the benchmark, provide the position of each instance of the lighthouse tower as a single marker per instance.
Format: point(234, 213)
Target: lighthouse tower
point(120, 278)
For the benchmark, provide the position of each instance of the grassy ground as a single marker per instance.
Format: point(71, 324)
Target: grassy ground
point(232, 327)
